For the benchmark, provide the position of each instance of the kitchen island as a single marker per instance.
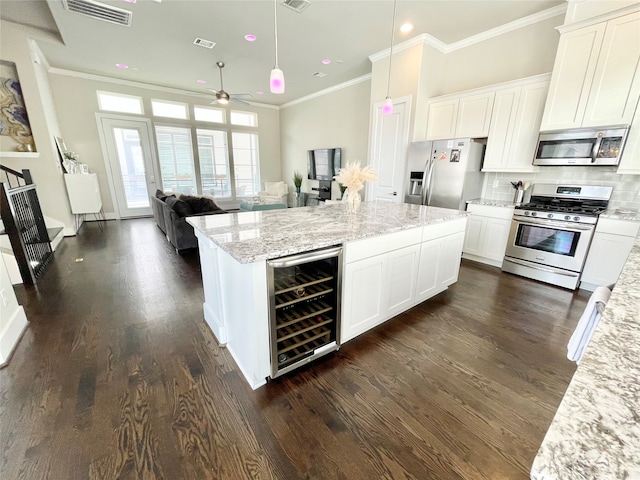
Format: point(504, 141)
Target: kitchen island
point(595, 433)
point(394, 257)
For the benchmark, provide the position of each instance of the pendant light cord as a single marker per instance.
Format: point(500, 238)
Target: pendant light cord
point(393, 28)
point(275, 22)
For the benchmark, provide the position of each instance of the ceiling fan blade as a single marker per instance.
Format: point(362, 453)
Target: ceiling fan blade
point(214, 91)
point(241, 95)
point(237, 100)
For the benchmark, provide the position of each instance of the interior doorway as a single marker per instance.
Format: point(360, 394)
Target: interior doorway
point(130, 163)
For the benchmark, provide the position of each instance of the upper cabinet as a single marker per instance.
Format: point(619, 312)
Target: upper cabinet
point(515, 123)
point(596, 77)
point(460, 116)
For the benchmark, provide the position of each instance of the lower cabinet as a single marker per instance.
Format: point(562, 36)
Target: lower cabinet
point(392, 279)
point(487, 234)
point(610, 247)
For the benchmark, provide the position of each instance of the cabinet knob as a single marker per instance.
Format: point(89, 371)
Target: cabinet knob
point(394, 193)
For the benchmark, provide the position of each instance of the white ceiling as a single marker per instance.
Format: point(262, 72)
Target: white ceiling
point(159, 50)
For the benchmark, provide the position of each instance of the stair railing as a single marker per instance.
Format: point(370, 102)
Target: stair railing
point(24, 224)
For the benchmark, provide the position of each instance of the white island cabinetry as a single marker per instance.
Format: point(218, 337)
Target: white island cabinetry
point(394, 256)
point(386, 275)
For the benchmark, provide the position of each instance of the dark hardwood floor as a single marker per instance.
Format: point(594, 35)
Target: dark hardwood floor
point(118, 377)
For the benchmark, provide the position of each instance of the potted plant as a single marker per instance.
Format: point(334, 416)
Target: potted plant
point(297, 180)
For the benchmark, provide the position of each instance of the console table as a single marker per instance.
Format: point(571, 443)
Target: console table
point(253, 206)
point(84, 196)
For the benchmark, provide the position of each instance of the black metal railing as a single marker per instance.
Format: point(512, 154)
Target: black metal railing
point(24, 224)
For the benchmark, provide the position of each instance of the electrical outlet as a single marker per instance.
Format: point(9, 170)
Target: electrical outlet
point(496, 183)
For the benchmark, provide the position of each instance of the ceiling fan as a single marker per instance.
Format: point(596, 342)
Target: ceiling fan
point(222, 97)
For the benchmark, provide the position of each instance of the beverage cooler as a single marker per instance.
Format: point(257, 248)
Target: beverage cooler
point(304, 316)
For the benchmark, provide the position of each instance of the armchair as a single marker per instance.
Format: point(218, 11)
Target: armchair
point(274, 192)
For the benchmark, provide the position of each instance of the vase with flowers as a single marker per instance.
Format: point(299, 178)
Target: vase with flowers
point(353, 176)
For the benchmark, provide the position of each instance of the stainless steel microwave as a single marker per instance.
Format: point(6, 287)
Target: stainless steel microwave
point(583, 146)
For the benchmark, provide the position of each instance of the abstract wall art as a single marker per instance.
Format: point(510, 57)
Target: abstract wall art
point(15, 130)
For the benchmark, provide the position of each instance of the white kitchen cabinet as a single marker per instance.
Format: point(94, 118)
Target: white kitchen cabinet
point(387, 275)
point(594, 81)
point(442, 119)
point(630, 160)
point(487, 234)
point(514, 128)
point(610, 247)
point(460, 116)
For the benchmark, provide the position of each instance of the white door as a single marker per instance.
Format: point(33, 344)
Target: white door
point(388, 151)
point(129, 158)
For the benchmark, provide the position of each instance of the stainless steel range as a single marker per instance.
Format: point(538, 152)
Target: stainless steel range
point(550, 236)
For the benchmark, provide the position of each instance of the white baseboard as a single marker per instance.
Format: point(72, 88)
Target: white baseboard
point(486, 261)
point(11, 334)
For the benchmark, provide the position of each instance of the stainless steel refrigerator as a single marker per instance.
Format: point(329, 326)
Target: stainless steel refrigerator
point(451, 172)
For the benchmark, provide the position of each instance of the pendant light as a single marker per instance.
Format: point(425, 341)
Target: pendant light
point(276, 81)
point(387, 106)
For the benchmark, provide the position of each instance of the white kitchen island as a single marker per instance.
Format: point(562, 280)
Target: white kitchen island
point(394, 257)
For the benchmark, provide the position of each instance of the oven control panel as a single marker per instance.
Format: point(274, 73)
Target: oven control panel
point(557, 216)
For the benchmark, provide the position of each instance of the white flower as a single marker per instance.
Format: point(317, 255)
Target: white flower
point(353, 176)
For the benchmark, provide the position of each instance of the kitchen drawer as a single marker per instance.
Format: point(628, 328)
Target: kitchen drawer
point(618, 227)
point(443, 229)
point(370, 247)
point(504, 213)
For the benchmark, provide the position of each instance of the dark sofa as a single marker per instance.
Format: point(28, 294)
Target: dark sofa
point(171, 212)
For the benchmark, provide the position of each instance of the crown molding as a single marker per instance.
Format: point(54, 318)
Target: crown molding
point(320, 93)
point(147, 86)
point(599, 18)
point(426, 39)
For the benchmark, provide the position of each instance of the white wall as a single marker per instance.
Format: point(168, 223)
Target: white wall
point(13, 320)
point(45, 168)
point(336, 119)
point(77, 103)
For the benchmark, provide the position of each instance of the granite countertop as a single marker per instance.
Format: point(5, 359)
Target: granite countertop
point(492, 203)
point(595, 433)
point(621, 214)
point(255, 236)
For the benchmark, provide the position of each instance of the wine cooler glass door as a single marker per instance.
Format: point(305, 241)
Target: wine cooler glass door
point(304, 308)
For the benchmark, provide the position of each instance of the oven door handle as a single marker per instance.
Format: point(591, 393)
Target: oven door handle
point(537, 267)
point(552, 223)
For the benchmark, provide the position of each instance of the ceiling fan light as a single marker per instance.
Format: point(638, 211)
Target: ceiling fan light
point(276, 81)
point(223, 101)
point(387, 106)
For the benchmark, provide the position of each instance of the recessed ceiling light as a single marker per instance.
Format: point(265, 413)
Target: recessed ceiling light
point(326, 61)
point(121, 65)
point(130, 1)
point(250, 37)
point(260, 92)
point(407, 27)
point(201, 82)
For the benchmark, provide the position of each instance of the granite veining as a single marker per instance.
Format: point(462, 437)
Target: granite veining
point(595, 433)
point(492, 203)
point(263, 235)
point(618, 214)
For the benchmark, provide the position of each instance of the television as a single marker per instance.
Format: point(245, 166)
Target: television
point(323, 163)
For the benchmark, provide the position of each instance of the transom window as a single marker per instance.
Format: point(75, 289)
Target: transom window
point(162, 108)
point(209, 114)
point(116, 102)
point(245, 119)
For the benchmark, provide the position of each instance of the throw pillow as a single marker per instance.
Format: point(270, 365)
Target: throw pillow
point(161, 195)
point(181, 208)
point(200, 204)
point(274, 188)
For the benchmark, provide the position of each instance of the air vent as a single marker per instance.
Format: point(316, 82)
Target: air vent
point(99, 11)
point(319, 74)
point(297, 5)
point(201, 42)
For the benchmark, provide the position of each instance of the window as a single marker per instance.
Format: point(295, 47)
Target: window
point(245, 119)
point(169, 109)
point(209, 114)
point(213, 157)
point(115, 102)
point(176, 159)
point(245, 162)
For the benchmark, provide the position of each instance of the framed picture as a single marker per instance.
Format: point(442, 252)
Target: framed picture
point(61, 149)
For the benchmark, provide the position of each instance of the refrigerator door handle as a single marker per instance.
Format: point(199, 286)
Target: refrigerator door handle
point(426, 182)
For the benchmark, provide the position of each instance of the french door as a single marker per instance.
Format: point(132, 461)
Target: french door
point(130, 163)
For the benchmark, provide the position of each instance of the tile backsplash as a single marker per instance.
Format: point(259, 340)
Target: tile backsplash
point(626, 188)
